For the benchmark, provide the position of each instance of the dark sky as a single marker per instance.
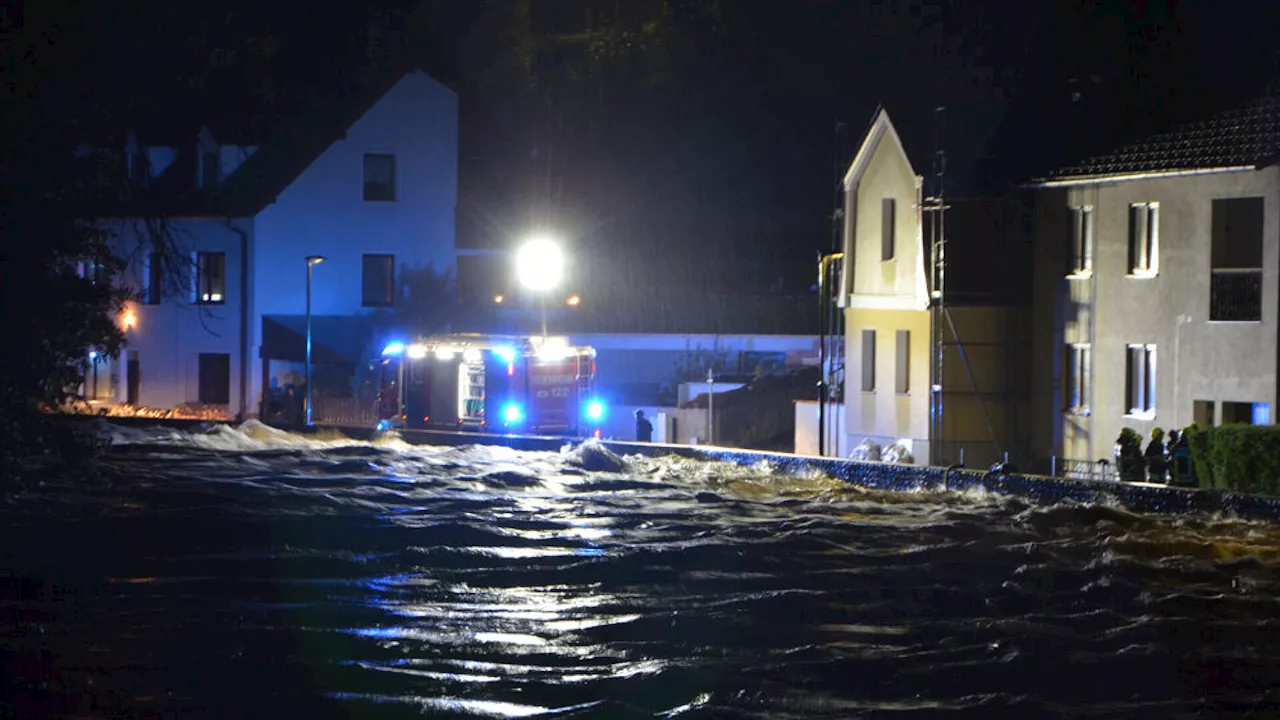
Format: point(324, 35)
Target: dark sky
point(711, 143)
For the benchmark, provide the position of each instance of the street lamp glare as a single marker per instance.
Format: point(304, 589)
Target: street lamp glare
point(315, 259)
point(540, 264)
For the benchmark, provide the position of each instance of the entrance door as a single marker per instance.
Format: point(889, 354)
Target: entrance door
point(131, 388)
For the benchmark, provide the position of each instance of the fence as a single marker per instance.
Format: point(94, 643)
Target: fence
point(346, 411)
point(1082, 469)
point(1235, 295)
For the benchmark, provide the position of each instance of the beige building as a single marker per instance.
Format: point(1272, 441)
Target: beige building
point(895, 319)
point(1156, 287)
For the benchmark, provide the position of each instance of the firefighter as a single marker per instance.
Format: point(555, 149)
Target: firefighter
point(1154, 457)
point(644, 429)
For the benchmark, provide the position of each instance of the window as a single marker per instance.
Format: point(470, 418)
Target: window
point(152, 277)
point(1235, 285)
point(868, 360)
point(379, 178)
point(210, 169)
point(1144, 222)
point(886, 228)
point(1140, 380)
point(1076, 380)
point(215, 378)
point(902, 362)
point(211, 278)
point(1079, 241)
point(1244, 413)
point(95, 272)
point(379, 280)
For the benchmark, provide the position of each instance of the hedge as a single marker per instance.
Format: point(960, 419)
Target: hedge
point(1238, 458)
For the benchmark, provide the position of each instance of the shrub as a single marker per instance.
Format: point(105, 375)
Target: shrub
point(1238, 458)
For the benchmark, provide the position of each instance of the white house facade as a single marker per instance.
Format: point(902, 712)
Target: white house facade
point(372, 189)
point(1156, 276)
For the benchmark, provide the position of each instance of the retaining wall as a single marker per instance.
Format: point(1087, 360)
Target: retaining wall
point(1141, 497)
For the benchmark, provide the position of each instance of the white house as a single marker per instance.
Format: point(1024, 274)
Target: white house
point(1156, 286)
point(367, 180)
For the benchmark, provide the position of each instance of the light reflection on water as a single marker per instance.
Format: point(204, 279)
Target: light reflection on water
point(249, 573)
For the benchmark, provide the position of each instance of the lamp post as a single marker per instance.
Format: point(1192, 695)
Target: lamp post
point(312, 261)
point(540, 268)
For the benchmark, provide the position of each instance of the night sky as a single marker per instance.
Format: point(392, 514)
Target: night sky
point(705, 134)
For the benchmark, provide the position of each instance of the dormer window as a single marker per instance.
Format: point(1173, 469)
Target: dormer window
point(210, 169)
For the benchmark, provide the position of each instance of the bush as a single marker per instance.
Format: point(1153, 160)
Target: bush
point(1238, 458)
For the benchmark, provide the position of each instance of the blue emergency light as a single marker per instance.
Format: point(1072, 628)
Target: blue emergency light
point(512, 414)
point(595, 410)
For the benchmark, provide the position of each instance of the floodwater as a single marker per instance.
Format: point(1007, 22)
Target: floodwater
point(249, 573)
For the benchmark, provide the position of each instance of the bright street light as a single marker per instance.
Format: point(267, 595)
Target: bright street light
point(540, 268)
point(540, 264)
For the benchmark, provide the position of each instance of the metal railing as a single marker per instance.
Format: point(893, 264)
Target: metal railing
point(1083, 469)
point(346, 411)
point(1235, 295)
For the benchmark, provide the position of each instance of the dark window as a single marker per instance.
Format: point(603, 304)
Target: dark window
point(152, 277)
point(902, 358)
point(1235, 287)
point(1237, 233)
point(1079, 240)
point(1140, 380)
point(210, 169)
point(379, 178)
point(1076, 378)
point(211, 278)
point(886, 229)
point(868, 360)
point(1143, 238)
point(379, 280)
point(215, 378)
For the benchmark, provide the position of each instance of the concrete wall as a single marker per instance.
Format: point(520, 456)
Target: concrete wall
point(882, 414)
point(169, 337)
point(806, 442)
point(1196, 359)
point(986, 400)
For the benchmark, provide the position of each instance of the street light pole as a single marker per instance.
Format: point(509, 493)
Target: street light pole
point(312, 261)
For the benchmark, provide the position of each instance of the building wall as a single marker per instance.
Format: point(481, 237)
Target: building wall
point(985, 386)
point(1196, 359)
point(323, 211)
point(168, 338)
point(883, 415)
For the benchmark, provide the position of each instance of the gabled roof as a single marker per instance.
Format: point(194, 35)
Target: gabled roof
point(287, 150)
point(881, 127)
point(1244, 138)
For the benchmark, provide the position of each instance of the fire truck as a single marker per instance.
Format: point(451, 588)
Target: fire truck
point(490, 383)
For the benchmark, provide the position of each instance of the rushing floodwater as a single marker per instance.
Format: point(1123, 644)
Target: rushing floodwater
point(248, 573)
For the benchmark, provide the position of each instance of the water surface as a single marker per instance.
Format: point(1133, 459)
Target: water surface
point(250, 573)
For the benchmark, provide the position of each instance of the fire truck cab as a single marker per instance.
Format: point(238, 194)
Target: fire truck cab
point(490, 383)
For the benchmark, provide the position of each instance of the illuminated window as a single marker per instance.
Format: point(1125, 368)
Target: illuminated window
point(379, 280)
point(1140, 380)
point(1144, 222)
point(211, 278)
point(1079, 241)
point(379, 178)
